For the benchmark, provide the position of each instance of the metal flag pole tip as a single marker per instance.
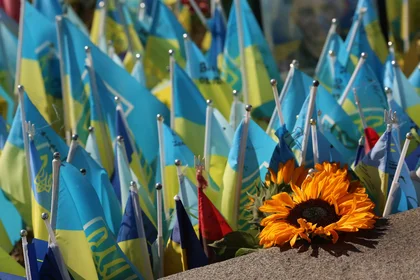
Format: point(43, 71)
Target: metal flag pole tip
point(133, 184)
point(159, 117)
point(58, 18)
point(74, 137)
point(23, 233)
point(334, 21)
point(248, 108)
point(209, 102)
point(178, 162)
point(56, 155)
point(295, 63)
point(390, 44)
point(185, 36)
point(315, 83)
point(393, 63)
point(45, 216)
point(388, 90)
point(409, 136)
point(312, 122)
point(83, 171)
point(273, 82)
point(138, 56)
point(91, 129)
point(87, 49)
point(363, 55)
point(158, 186)
point(331, 53)
point(21, 88)
point(176, 197)
point(171, 52)
point(120, 138)
point(142, 5)
point(101, 4)
point(235, 92)
point(116, 99)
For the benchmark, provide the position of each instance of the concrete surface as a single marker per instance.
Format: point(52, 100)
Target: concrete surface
point(391, 251)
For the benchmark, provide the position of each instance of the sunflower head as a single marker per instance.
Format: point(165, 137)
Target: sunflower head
point(325, 203)
point(275, 182)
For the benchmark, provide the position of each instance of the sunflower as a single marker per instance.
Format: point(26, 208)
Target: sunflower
point(325, 204)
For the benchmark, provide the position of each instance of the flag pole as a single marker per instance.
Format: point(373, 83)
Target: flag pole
point(207, 135)
point(356, 28)
point(331, 31)
point(315, 149)
point(241, 162)
point(199, 13)
point(121, 152)
point(405, 26)
point(73, 146)
point(388, 92)
point(391, 49)
point(141, 11)
point(294, 65)
point(273, 83)
point(359, 108)
point(23, 234)
point(331, 59)
point(360, 150)
point(171, 77)
point(64, 85)
point(53, 245)
point(160, 229)
point(162, 162)
point(235, 101)
point(56, 163)
point(21, 92)
point(102, 22)
point(395, 185)
point(241, 41)
point(187, 48)
point(399, 84)
point(181, 184)
point(311, 105)
point(346, 91)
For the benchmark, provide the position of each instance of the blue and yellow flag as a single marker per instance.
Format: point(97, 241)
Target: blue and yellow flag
point(256, 154)
point(218, 36)
point(376, 172)
point(39, 65)
point(415, 79)
point(405, 95)
point(165, 33)
point(368, 39)
point(3, 133)
point(138, 72)
point(88, 246)
point(8, 52)
point(132, 238)
point(50, 9)
point(372, 100)
point(207, 79)
point(183, 251)
point(260, 64)
point(9, 267)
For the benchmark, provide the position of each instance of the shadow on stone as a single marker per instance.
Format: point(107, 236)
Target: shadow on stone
point(345, 244)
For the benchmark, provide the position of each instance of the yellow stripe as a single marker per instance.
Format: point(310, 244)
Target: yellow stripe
point(76, 254)
point(5, 242)
point(175, 259)
point(227, 207)
point(40, 231)
point(171, 180)
point(104, 146)
point(136, 252)
point(192, 134)
point(220, 94)
point(9, 265)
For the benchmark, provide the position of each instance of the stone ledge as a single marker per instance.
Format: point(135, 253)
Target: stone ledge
point(391, 251)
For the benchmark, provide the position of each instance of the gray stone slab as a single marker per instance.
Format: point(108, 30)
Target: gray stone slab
point(391, 251)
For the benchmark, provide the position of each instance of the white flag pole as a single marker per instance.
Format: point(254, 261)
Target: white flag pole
point(273, 83)
point(346, 91)
point(311, 105)
point(72, 148)
point(355, 29)
point(23, 234)
point(162, 162)
point(207, 135)
point(171, 76)
point(314, 141)
point(359, 108)
point(56, 163)
point(331, 31)
point(160, 229)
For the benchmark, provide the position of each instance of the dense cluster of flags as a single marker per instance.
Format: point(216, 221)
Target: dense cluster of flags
point(100, 131)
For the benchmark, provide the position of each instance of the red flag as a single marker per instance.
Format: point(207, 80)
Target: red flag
point(11, 7)
point(212, 224)
point(371, 138)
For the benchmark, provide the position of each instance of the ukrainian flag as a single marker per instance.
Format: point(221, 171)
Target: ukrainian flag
point(3, 133)
point(405, 95)
point(415, 79)
point(184, 250)
point(208, 80)
point(368, 39)
point(372, 99)
point(9, 267)
point(376, 171)
point(165, 34)
point(260, 64)
point(132, 239)
point(189, 110)
point(50, 9)
point(218, 36)
point(88, 246)
point(175, 148)
point(8, 52)
point(39, 68)
point(256, 154)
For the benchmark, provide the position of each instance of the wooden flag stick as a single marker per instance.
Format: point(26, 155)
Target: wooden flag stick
point(310, 111)
point(346, 91)
point(395, 184)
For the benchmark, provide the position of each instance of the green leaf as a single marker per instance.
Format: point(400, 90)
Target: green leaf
point(244, 251)
point(227, 247)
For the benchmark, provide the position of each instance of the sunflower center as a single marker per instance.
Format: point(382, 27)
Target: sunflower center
point(315, 211)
